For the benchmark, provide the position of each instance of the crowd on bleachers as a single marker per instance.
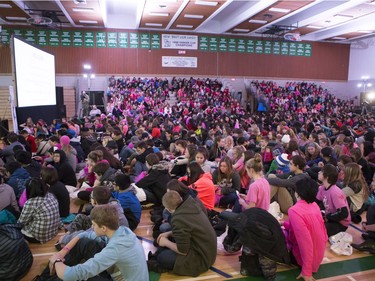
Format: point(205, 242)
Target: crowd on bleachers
point(304, 149)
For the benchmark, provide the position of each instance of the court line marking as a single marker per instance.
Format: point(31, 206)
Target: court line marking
point(222, 273)
point(351, 278)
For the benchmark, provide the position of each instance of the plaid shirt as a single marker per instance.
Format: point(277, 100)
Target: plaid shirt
point(40, 217)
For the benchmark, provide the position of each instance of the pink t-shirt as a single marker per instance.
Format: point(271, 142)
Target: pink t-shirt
point(259, 193)
point(333, 199)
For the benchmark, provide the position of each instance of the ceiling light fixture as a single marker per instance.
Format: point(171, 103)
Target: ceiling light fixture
point(88, 21)
point(84, 10)
point(314, 26)
point(6, 6)
point(158, 14)
point(339, 38)
point(279, 10)
point(206, 3)
point(365, 31)
point(190, 16)
point(153, 24)
point(343, 16)
point(86, 66)
point(16, 18)
point(184, 26)
point(241, 30)
point(258, 21)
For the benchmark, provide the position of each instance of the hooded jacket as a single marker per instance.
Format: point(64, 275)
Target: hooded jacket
point(15, 255)
point(194, 236)
point(156, 181)
point(18, 181)
point(205, 188)
point(261, 232)
point(64, 170)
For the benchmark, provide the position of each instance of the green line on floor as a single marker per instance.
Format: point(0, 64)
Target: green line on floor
point(326, 270)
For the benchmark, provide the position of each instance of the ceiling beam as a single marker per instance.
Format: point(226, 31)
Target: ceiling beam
point(212, 16)
point(354, 25)
point(325, 10)
point(245, 12)
point(285, 20)
point(66, 14)
point(177, 14)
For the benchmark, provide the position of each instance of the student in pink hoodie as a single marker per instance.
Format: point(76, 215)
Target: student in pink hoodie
point(306, 233)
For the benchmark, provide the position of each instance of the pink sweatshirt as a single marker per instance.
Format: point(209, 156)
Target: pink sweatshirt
point(307, 235)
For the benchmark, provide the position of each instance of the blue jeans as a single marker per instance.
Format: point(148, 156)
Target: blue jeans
point(139, 167)
point(228, 200)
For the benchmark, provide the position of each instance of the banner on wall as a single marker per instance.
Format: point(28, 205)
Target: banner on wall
point(171, 61)
point(177, 41)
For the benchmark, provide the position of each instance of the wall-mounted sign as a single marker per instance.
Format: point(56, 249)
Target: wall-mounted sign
point(5, 36)
point(30, 36)
point(308, 50)
point(155, 41)
point(285, 48)
point(223, 44)
point(292, 49)
point(54, 38)
point(66, 38)
point(203, 43)
point(170, 61)
point(267, 47)
point(112, 39)
point(241, 45)
point(232, 45)
point(276, 48)
point(213, 44)
point(133, 40)
point(178, 41)
point(89, 39)
point(250, 46)
point(101, 39)
point(77, 38)
point(145, 40)
point(122, 39)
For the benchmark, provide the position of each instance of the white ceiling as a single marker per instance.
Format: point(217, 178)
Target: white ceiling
point(320, 20)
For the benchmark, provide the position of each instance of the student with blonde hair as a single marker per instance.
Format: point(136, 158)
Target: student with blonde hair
point(355, 187)
point(258, 194)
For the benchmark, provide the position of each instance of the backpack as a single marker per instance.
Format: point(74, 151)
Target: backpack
point(257, 265)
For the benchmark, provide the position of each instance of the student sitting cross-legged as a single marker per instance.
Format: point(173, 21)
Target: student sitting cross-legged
point(194, 248)
point(124, 193)
point(122, 249)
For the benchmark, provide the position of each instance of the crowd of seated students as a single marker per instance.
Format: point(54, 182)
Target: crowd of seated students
point(209, 143)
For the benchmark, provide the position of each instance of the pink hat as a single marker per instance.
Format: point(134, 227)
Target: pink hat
point(64, 140)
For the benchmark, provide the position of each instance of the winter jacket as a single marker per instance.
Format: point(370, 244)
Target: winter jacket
point(194, 237)
point(15, 255)
point(156, 181)
point(18, 181)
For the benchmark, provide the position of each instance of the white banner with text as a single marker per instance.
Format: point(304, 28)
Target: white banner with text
point(178, 41)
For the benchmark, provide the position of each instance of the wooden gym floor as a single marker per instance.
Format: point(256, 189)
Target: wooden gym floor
point(357, 267)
